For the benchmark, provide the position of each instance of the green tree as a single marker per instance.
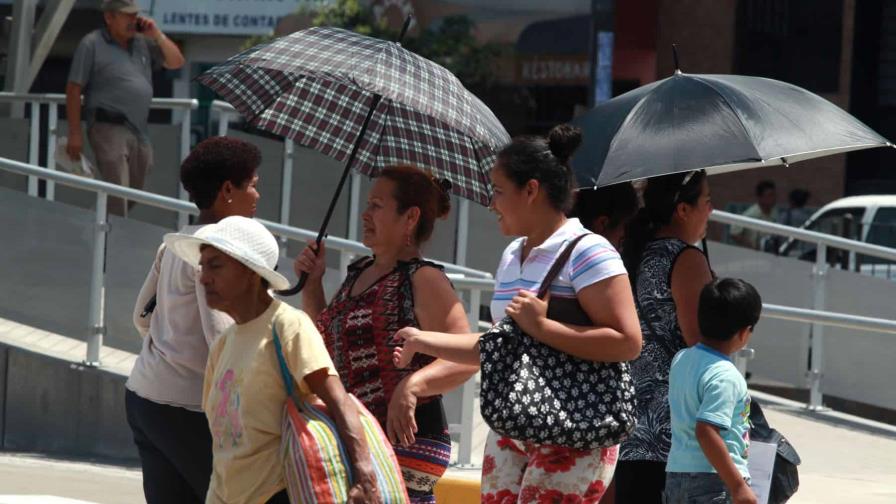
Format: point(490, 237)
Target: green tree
point(450, 44)
point(355, 16)
point(453, 45)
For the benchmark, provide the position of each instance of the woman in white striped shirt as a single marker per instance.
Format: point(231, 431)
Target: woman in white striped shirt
point(532, 185)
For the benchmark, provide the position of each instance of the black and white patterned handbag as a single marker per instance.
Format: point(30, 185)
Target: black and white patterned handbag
point(533, 392)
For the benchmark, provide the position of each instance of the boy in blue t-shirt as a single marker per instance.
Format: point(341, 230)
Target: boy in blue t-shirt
point(709, 402)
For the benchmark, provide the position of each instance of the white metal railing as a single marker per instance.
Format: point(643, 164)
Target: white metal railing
point(472, 283)
point(54, 101)
point(819, 281)
point(473, 286)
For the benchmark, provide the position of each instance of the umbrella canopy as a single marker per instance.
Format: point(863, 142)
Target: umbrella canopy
point(317, 87)
point(720, 123)
point(367, 102)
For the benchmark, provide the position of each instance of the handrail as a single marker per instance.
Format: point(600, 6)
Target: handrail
point(803, 234)
point(773, 311)
point(89, 184)
point(827, 318)
point(165, 103)
point(223, 106)
point(169, 203)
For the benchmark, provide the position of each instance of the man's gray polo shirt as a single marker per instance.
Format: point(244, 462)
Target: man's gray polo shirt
point(115, 78)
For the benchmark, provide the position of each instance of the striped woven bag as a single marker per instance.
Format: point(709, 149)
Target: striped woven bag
point(317, 467)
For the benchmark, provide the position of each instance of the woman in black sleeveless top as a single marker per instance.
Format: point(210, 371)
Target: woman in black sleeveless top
point(668, 275)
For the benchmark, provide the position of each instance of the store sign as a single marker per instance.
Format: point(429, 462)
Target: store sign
point(224, 17)
point(553, 70)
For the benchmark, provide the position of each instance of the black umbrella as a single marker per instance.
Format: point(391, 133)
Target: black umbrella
point(719, 123)
point(367, 102)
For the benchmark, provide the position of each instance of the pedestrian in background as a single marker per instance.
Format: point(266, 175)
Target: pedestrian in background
point(796, 213)
point(163, 394)
point(112, 67)
point(765, 209)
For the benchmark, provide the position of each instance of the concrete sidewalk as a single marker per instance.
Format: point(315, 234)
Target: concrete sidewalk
point(32, 479)
point(845, 459)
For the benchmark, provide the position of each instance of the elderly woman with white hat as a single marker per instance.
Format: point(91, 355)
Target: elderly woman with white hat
point(243, 396)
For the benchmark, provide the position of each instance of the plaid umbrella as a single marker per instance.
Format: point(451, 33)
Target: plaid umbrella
point(337, 91)
point(364, 101)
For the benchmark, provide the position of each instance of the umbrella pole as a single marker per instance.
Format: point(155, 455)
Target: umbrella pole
point(292, 291)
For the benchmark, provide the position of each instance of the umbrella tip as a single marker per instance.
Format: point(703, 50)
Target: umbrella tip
point(404, 28)
point(675, 59)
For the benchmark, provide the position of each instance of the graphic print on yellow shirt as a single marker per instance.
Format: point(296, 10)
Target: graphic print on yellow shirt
point(226, 425)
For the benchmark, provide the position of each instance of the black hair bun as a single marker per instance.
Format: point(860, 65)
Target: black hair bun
point(443, 198)
point(563, 140)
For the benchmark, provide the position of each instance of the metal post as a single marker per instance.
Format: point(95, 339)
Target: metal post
point(354, 212)
point(742, 358)
point(34, 145)
point(354, 206)
point(18, 58)
point(468, 393)
point(98, 284)
point(816, 342)
point(601, 50)
point(223, 123)
point(463, 226)
point(183, 217)
point(51, 21)
point(51, 147)
point(286, 188)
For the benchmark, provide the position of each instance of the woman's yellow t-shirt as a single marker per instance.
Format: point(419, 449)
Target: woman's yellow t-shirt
point(243, 397)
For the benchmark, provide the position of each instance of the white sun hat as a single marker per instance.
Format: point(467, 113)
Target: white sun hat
point(242, 238)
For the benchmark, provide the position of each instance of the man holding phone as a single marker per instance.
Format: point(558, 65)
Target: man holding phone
point(112, 67)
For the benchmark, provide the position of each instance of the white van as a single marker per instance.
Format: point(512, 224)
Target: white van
point(870, 219)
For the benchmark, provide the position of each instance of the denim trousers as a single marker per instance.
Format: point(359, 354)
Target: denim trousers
point(695, 488)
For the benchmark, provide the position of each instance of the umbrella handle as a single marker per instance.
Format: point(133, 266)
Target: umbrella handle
point(292, 291)
point(303, 278)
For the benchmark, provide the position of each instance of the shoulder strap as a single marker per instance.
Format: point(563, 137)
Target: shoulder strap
point(284, 369)
point(558, 264)
point(361, 262)
point(415, 264)
point(150, 305)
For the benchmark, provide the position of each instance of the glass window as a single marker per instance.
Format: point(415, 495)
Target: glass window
point(843, 222)
point(881, 232)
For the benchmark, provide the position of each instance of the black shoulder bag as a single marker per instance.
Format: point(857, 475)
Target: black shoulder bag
point(533, 392)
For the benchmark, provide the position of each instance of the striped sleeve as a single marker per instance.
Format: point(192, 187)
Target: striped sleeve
point(593, 260)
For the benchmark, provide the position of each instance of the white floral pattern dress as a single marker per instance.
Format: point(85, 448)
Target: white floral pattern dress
point(514, 471)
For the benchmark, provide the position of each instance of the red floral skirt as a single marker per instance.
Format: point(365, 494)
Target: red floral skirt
point(517, 472)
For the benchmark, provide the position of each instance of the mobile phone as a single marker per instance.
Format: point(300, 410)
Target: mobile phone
point(139, 24)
